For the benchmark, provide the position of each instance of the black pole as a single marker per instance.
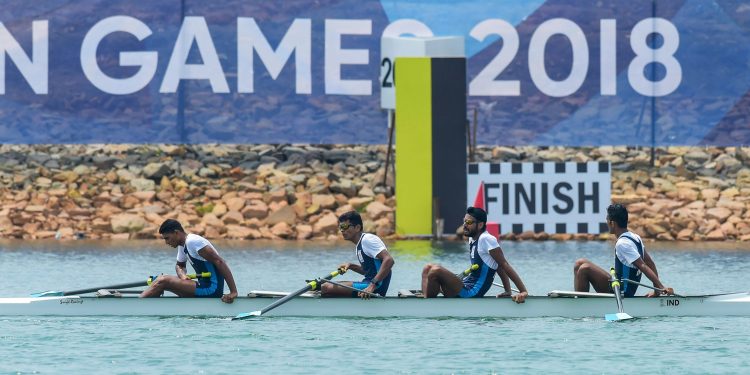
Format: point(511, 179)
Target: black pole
point(653, 94)
point(181, 91)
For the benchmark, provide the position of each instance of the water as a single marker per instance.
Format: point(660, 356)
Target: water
point(135, 345)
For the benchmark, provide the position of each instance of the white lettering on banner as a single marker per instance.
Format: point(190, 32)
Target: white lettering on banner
point(147, 61)
point(335, 56)
point(542, 197)
point(663, 54)
point(35, 70)
point(580, 65)
point(194, 29)
point(485, 83)
point(297, 39)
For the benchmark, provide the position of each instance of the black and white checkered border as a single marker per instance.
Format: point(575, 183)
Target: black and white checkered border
point(539, 168)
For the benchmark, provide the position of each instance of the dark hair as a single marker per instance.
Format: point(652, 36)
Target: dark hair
point(169, 226)
point(477, 213)
point(619, 214)
point(352, 217)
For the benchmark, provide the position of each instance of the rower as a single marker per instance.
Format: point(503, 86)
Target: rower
point(203, 257)
point(631, 261)
point(484, 251)
point(375, 262)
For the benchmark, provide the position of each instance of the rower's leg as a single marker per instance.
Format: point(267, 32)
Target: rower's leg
point(331, 290)
point(587, 273)
point(169, 283)
point(435, 279)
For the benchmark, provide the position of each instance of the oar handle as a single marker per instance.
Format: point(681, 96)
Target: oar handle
point(650, 287)
point(202, 275)
point(613, 278)
point(469, 270)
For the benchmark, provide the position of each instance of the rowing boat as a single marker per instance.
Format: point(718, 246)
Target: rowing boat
point(555, 304)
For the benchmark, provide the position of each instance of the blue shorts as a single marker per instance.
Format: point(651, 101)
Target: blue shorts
point(361, 285)
point(474, 290)
point(212, 287)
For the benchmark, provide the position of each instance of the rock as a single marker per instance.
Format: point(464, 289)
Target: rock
point(304, 232)
point(142, 184)
point(255, 209)
point(716, 235)
point(281, 230)
point(235, 204)
point(126, 223)
point(323, 201)
point(718, 213)
point(212, 220)
point(156, 171)
point(328, 223)
point(232, 217)
point(241, 232)
point(686, 234)
point(213, 193)
point(360, 202)
point(219, 209)
point(627, 199)
point(376, 210)
point(284, 214)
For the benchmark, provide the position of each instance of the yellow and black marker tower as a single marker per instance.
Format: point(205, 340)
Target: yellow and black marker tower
point(430, 144)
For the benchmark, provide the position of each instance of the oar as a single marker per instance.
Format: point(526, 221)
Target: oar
point(503, 286)
point(466, 272)
point(312, 285)
point(620, 315)
point(147, 282)
point(475, 267)
point(351, 288)
point(650, 287)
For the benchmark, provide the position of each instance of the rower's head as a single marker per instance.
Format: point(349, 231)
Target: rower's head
point(172, 233)
point(475, 221)
point(617, 217)
point(350, 225)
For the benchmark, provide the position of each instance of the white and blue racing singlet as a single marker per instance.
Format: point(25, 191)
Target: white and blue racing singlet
point(628, 249)
point(207, 287)
point(479, 281)
point(368, 248)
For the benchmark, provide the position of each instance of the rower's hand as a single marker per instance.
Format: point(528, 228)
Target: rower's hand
point(520, 297)
point(344, 267)
point(229, 298)
point(656, 293)
point(364, 293)
point(504, 294)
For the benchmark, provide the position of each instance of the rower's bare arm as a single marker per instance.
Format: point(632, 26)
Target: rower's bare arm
point(650, 262)
point(352, 267)
point(646, 270)
point(208, 253)
point(499, 257)
point(505, 280)
point(181, 269)
point(387, 263)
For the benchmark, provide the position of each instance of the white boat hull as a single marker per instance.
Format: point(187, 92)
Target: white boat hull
point(735, 304)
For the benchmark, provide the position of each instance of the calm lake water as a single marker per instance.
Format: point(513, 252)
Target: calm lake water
point(362, 346)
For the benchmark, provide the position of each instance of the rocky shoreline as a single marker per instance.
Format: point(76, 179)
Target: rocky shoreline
point(297, 191)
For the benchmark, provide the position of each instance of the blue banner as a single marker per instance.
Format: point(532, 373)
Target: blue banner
point(571, 73)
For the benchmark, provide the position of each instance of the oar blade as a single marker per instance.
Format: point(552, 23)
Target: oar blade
point(617, 317)
point(249, 315)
